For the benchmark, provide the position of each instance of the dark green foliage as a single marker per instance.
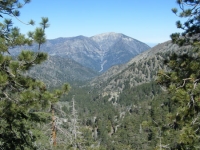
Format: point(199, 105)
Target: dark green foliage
point(180, 128)
point(23, 100)
point(190, 9)
point(182, 83)
point(138, 116)
point(117, 123)
point(138, 93)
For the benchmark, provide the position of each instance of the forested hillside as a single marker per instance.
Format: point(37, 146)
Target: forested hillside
point(124, 107)
point(150, 102)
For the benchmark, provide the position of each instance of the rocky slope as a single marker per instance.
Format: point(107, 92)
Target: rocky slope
point(58, 70)
point(117, 48)
point(141, 69)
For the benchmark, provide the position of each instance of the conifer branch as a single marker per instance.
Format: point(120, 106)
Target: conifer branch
point(184, 81)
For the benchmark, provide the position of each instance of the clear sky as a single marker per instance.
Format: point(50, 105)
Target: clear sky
point(150, 21)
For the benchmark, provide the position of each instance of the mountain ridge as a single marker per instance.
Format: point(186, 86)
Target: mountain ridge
point(139, 70)
point(58, 70)
point(98, 52)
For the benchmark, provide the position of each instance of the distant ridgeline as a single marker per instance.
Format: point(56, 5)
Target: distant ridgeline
point(98, 52)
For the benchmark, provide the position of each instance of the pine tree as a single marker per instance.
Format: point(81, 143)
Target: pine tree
point(182, 82)
point(190, 9)
point(23, 99)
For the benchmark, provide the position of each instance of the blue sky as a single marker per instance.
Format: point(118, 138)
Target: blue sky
point(150, 21)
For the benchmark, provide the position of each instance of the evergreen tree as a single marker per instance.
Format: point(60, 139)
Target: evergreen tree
point(190, 9)
point(23, 100)
point(182, 82)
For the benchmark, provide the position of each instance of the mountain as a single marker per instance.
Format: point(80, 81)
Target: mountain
point(117, 49)
point(57, 70)
point(139, 70)
point(116, 105)
point(98, 52)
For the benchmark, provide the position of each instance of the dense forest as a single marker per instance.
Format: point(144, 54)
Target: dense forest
point(151, 104)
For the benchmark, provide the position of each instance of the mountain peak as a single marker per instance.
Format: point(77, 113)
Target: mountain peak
point(108, 34)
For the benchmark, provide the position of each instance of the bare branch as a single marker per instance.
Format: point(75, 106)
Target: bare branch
point(184, 81)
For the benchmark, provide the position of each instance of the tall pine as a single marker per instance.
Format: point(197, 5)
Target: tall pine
point(190, 11)
point(182, 129)
point(23, 99)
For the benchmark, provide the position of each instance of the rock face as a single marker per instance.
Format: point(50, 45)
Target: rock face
point(98, 52)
